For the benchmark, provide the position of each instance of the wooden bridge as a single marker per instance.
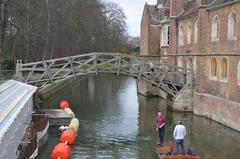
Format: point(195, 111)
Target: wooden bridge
point(171, 79)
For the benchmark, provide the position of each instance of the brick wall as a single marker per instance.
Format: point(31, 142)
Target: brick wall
point(144, 32)
point(154, 40)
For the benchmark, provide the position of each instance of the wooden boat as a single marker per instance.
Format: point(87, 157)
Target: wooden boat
point(168, 150)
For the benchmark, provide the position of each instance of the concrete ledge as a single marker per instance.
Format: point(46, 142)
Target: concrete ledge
point(146, 89)
point(184, 102)
point(57, 117)
point(219, 109)
point(55, 88)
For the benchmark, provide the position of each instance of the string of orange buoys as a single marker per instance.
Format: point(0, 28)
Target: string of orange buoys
point(68, 136)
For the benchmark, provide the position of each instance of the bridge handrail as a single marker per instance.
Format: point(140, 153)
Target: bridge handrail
point(92, 63)
point(100, 53)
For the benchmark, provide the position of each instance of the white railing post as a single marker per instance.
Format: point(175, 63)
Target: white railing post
point(18, 70)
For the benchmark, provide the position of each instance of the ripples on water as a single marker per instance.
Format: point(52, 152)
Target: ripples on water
point(116, 123)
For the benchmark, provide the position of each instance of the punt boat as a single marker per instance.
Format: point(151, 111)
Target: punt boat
point(168, 152)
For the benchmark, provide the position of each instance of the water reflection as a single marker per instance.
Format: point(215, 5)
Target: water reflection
point(117, 123)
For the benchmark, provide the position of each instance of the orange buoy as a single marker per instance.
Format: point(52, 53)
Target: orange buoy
point(68, 137)
point(61, 151)
point(64, 104)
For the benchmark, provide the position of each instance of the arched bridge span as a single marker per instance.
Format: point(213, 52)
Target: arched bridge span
point(169, 78)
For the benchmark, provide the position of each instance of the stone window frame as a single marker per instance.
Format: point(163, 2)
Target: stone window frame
point(195, 65)
point(188, 61)
point(189, 66)
point(211, 75)
point(232, 37)
point(196, 32)
point(215, 21)
point(180, 63)
point(189, 33)
point(181, 35)
point(221, 78)
point(238, 73)
point(165, 36)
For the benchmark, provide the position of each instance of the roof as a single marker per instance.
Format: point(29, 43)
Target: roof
point(13, 97)
point(191, 7)
point(220, 3)
point(157, 14)
point(166, 3)
point(191, 11)
point(153, 15)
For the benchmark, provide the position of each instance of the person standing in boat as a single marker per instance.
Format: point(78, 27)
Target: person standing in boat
point(179, 134)
point(160, 126)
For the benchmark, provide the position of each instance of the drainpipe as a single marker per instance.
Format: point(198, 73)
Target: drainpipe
point(176, 51)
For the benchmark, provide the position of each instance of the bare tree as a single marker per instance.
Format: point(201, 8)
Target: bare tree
point(55, 28)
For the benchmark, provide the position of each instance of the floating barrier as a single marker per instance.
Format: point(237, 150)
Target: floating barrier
point(70, 112)
point(68, 137)
point(61, 151)
point(64, 104)
point(74, 125)
point(62, 128)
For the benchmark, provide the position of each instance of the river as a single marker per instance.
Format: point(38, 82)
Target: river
point(117, 123)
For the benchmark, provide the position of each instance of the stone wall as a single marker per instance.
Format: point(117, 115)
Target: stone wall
point(218, 109)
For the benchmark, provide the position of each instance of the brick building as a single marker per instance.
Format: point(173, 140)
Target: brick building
point(203, 35)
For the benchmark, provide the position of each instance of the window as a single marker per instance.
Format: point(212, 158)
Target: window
point(165, 35)
point(189, 34)
point(215, 28)
point(213, 68)
point(232, 26)
point(196, 32)
point(238, 75)
point(180, 36)
point(224, 69)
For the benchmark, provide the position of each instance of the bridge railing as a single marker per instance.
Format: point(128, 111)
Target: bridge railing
point(169, 78)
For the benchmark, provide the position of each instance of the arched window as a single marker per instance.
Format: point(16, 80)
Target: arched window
point(224, 69)
point(196, 32)
point(232, 26)
point(238, 75)
point(189, 34)
point(213, 68)
point(215, 28)
point(181, 35)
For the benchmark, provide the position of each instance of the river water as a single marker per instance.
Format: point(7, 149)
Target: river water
point(117, 123)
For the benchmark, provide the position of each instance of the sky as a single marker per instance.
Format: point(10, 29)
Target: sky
point(133, 10)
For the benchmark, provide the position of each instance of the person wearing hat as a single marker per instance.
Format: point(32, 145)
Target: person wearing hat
point(160, 126)
point(179, 134)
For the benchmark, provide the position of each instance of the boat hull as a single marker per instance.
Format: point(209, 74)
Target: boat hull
point(168, 151)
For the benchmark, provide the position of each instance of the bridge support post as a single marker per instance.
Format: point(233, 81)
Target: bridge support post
point(73, 70)
point(95, 64)
point(184, 101)
point(119, 58)
point(18, 75)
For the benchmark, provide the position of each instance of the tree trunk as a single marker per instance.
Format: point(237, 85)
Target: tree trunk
point(48, 31)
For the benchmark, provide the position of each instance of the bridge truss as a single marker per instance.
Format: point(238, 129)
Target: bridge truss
point(169, 78)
